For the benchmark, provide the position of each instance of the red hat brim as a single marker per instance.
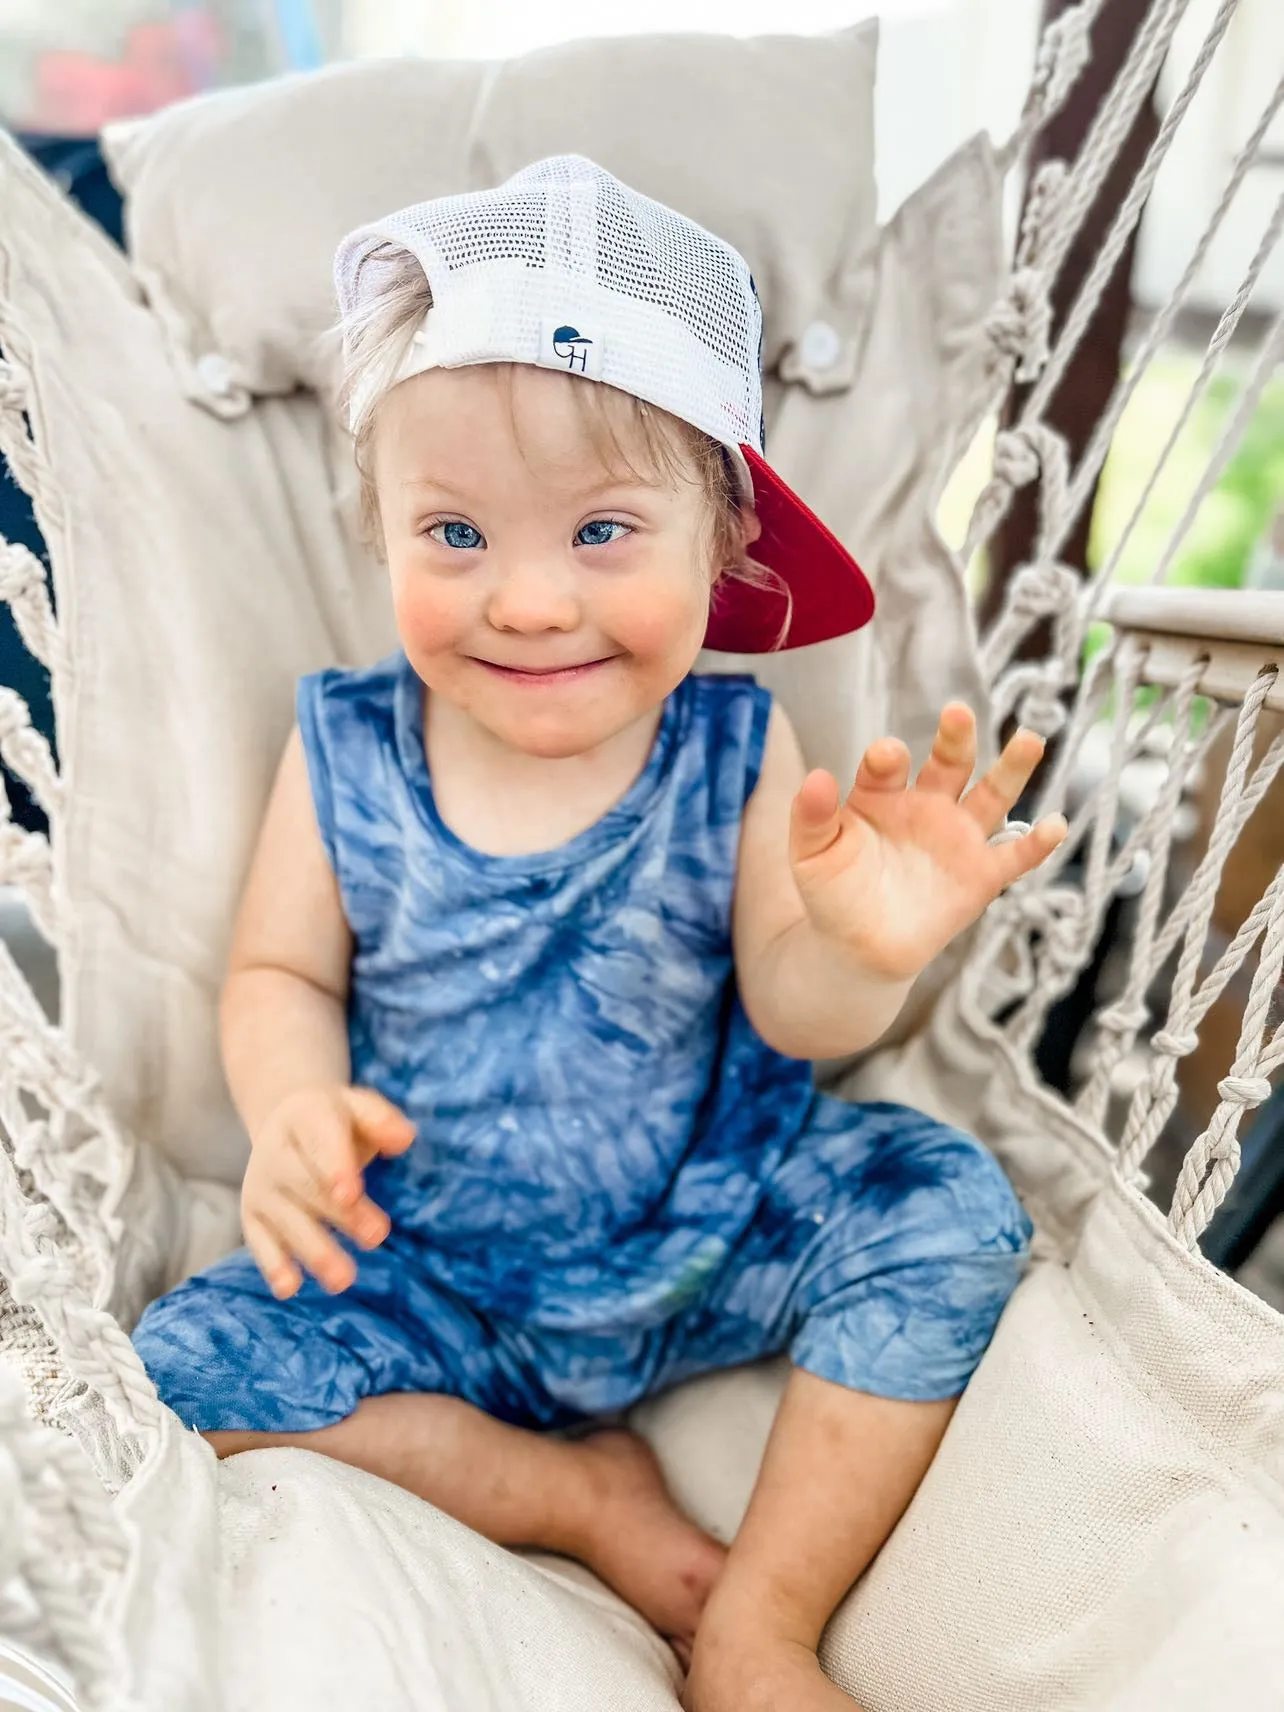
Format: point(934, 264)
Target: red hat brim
point(830, 594)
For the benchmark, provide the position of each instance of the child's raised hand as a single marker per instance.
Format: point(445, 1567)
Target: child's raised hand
point(896, 871)
point(304, 1174)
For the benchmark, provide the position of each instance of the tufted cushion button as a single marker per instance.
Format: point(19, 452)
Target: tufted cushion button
point(820, 346)
point(215, 373)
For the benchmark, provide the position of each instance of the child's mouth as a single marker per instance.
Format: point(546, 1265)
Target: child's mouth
point(545, 674)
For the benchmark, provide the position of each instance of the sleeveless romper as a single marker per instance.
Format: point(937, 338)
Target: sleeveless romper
point(615, 1183)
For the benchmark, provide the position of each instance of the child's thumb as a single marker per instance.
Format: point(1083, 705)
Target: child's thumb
point(814, 821)
point(380, 1125)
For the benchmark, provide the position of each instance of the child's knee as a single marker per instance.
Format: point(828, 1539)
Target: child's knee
point(236, 1363)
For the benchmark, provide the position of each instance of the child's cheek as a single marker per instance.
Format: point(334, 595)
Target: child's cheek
point(428, 619)
point(672, 616)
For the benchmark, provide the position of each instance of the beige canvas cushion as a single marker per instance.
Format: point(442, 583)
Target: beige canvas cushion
point(235, 202)
point(202, 564)
point(1103, 1526)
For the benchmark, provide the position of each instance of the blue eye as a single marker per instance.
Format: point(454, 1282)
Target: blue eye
point(457, 534)
point(593, 534)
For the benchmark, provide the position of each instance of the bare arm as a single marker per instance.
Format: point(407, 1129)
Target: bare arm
point(285, 1050)
point(282, 1016)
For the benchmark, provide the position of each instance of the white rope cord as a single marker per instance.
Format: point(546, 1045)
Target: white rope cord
point(1064, 50)
point(1097, 812)
point(1036, 904)
point(1210, 1166)
point(1068, 195)
point(1153, 1101)
point(1066, 942)
point(1262, 373)
point(59, 1547)
point(1058, 197)
point(1225, 834)
point(1094, 455)
point(1066, 937)
point(26, 752)
point(75, 1152)
point(26, 862)
point(24, 586)
point(27, 462)
point(1117, 1026)
point(1064, 215)
point(1079, 196)
point(1089, 705)
point(1035, 592)
point(1047, 588)
point(41, 1273)
point(1191, 914)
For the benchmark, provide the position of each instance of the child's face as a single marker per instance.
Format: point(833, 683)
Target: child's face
point(553, 600)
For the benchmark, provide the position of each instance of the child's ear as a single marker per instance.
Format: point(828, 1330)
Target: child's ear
point(750, 527)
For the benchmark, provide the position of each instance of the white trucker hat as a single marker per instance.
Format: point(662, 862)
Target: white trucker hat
point(564, 267)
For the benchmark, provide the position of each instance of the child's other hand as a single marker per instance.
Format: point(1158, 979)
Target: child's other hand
point(304, 1173)
point(899, 869)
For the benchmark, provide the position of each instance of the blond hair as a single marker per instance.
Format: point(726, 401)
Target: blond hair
point(376, 339)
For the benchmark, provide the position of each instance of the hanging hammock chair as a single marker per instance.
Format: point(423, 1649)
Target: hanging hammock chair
point(1103, 1527)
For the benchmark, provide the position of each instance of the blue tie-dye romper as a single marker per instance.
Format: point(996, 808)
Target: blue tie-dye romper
point(615, 1182)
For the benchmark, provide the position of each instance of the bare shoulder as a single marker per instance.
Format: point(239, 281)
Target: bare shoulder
point(291, 913)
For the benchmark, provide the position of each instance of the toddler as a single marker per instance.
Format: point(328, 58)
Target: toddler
point(542, 933)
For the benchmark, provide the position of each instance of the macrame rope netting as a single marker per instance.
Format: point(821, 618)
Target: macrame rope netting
point(63, 1157)
point(1189, 919)
point(1057, 201)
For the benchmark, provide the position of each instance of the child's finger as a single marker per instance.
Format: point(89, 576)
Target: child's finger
point(814, 821)
point(885, 766)
point(329, 1150)
point(364, 1222)
point(1019, 856)
point(381, 1126)
point(993, 797)
point(282, 1275)
point(307, 1239)
point(949, 767)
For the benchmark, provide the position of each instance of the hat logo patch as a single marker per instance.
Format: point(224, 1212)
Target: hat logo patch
point(571, 347)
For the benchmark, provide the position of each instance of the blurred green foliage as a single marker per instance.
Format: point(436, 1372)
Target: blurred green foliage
point(1233, 518)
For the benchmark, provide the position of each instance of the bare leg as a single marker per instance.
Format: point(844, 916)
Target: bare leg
point(840, 1468)
point(601, 1499)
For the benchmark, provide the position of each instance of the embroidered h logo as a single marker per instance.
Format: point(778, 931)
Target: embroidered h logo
point(572, 347)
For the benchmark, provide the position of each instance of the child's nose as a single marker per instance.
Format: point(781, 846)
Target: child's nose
point(531, 595)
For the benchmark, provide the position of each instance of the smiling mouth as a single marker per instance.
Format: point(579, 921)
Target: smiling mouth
point(545, 674)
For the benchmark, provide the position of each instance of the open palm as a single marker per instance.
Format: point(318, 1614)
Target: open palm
point(898, 869)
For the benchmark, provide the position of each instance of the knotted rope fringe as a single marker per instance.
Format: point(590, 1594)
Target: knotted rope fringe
point(1063, 52)
point(24, 586)
point(1055, 210)
point(1154, 1099)
point(1122, 1021)
point(1066, 919)
point(1030, 447)
point(63, 1159)
point(1118, 1025)
point(60, 1549)
point(1059, 202)
point(1210, 1166)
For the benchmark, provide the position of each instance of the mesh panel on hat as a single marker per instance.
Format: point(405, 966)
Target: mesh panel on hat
point(564, 238)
